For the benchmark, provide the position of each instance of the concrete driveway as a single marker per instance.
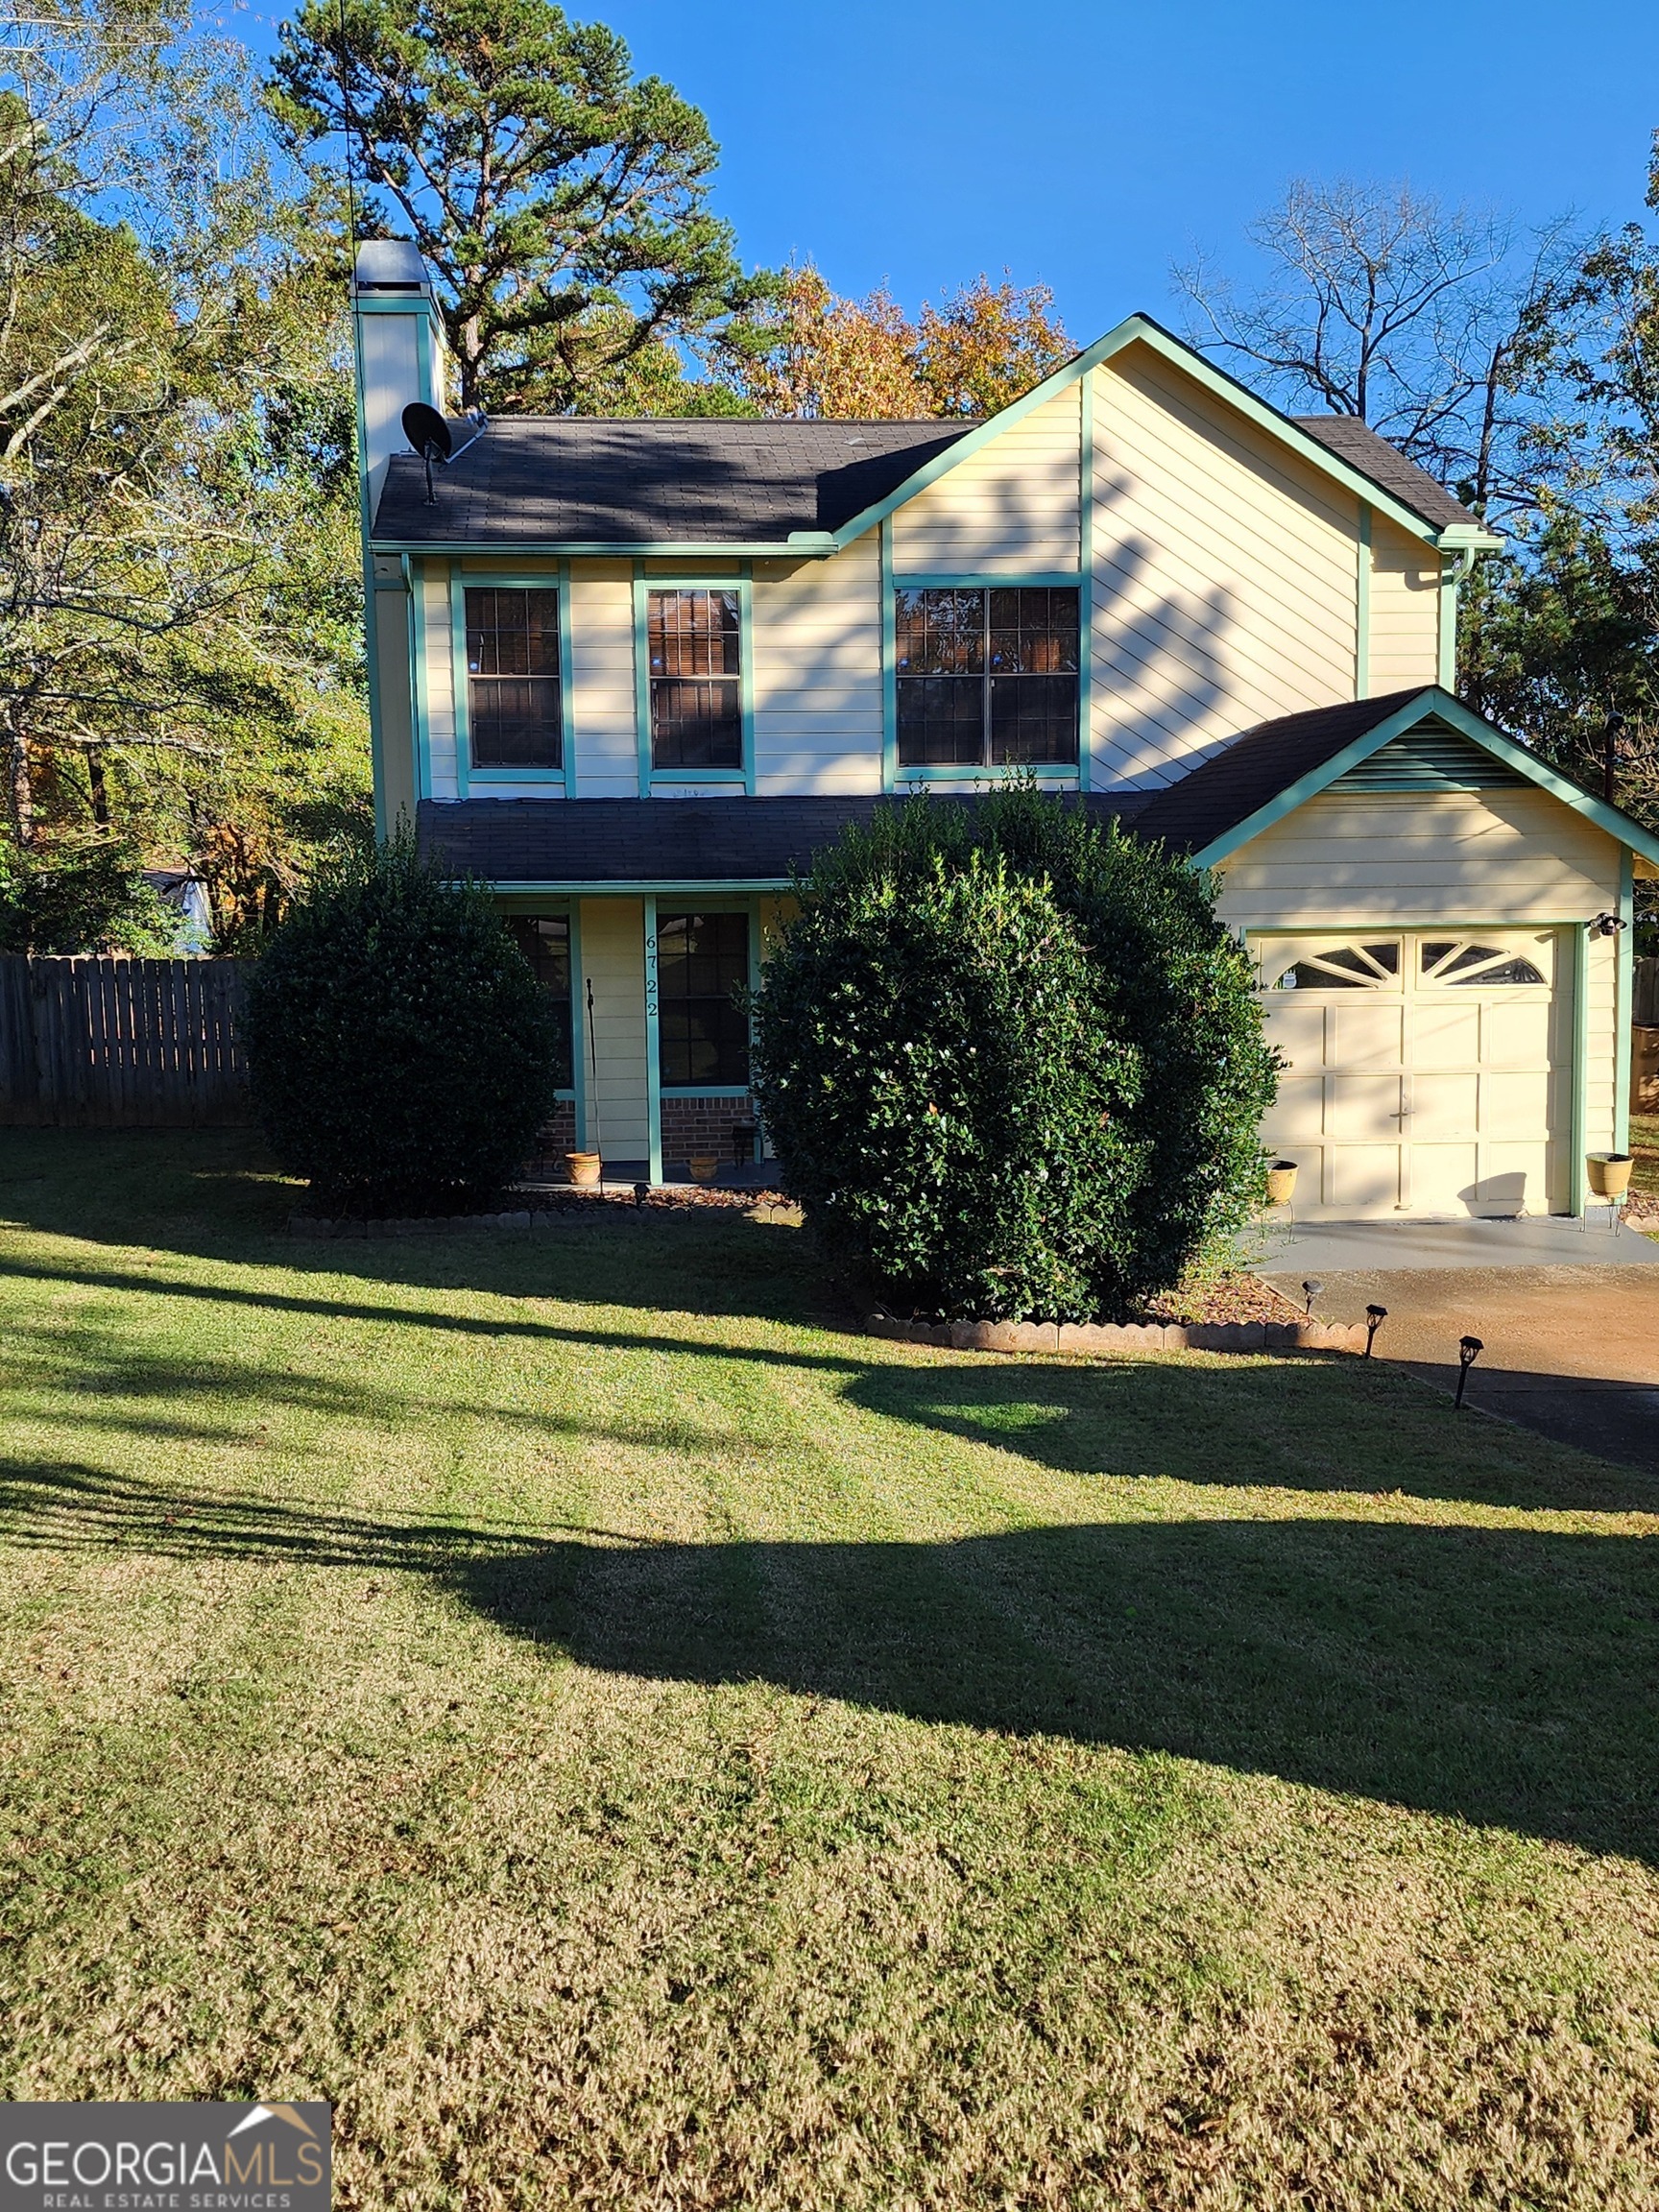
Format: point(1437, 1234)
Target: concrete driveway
point(1569, 1318)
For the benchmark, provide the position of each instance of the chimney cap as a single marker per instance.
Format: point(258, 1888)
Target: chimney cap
point(391, 265)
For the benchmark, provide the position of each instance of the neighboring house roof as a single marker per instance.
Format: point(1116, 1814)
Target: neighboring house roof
point(587, 480)
point(1385, 464)
point(647, 844)
point(1267, 771)
point(562, 482)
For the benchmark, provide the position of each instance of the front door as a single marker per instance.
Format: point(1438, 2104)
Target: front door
point(1426, 1071)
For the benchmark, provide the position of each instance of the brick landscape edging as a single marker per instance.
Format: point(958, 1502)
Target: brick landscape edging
point(1126, 1338)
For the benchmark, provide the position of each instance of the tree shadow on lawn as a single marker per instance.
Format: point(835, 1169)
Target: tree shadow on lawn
point(1506, 1676)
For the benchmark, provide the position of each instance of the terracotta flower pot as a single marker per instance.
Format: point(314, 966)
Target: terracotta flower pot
point(1281, 1182)
point(583, 1169)
point(1609, 1173)
point(704, 1166)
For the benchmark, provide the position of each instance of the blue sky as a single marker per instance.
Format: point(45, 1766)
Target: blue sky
point(1088, 143)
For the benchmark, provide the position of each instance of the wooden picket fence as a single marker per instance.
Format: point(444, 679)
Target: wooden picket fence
point(116, 1044)
point(1646, 1011)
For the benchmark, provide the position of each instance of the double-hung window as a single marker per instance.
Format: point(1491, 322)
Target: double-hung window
point(987, 678)
point(513, 710)
point(703, 1032)
point(544, 940)
point(694, 645)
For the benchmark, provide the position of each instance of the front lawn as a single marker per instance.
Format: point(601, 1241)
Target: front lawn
point(627, 1741)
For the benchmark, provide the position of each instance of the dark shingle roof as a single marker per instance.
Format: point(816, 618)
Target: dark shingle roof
point(587, 481)
point(1354, 441)
point(613, 841)
point(1228, 787)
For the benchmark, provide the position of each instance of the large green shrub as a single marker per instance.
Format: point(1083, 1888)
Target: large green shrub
point(1165, 995)
point(399, 1049)
point(939, 1092)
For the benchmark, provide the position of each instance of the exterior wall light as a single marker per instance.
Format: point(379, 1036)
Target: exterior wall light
point(1608, 925)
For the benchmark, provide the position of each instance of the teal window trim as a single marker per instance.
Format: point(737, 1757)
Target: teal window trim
point(508, 579)
point(579, 1027)
point(1363, 606)
point(1086, 581)
point(992, 580)
point(653, 1048)
point(889, 659)
point(1576, 1178)
point(1065, 775)
point(686, 580)
point(1624, 1040)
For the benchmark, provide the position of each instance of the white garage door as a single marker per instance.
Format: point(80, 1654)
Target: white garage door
point(1425, 1073)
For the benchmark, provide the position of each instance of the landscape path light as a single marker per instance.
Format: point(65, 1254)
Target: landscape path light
point(1375, 1316)
point(1469, 1349)
point(1310, 1291)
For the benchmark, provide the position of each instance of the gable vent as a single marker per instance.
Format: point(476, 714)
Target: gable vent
point(1431, 759)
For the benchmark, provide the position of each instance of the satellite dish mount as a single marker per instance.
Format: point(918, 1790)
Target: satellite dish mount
point(430, 434)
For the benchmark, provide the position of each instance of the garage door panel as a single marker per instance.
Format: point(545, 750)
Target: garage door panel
point(1364, 1107)
point(1370, 1035)
point(1515, 1033)
point(1445, 1033)
point(1298, 1114)
point(1445, 1178)
point(1514, 1104)
point(1365, 1178)
point(1296, 1030)
point(1441, 1085)
point(1444, 1106)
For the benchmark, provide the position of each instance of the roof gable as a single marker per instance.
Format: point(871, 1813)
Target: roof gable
point(1270, 771)
point(809, 489)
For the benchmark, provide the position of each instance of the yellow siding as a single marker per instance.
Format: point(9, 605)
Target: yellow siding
point(816, 661)
point(1411, 859)
point(1600, 1048)
point(432, 584)
point(397, 793)
point(1225, 585)
point(1404, 610)
point(602, 679)
point(1011, 506)
point(614, 961)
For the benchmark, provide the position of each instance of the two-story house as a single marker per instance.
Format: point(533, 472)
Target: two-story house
point(633, 672)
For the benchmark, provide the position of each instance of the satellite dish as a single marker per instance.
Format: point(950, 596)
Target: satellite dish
point(426, 430)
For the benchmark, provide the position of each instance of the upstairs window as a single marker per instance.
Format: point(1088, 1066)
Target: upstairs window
point(513, 703)
point(987, 678)
point(694, 639)
point(544, 940)
point(703, 1033)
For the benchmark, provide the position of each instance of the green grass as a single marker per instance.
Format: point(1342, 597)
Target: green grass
point(627, 1741)
point(1644, 1144)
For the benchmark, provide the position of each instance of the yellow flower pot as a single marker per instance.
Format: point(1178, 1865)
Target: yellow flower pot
point(1609, 1173)
point(583, 1169)
point(705, 1167)
point(1281, 1182)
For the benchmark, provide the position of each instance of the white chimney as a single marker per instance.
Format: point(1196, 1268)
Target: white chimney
point(401, 352)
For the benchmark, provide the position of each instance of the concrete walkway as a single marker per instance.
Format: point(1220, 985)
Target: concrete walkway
point(1351, 1247)
point(1570, 1322)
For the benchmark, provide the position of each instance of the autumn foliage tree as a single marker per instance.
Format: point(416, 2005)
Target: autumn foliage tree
point(816, 353)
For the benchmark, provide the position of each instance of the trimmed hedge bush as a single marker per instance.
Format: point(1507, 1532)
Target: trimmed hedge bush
point(1005, 1207)
point(399, 1048)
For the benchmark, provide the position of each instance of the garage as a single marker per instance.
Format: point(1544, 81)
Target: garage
point(1424, 1072)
